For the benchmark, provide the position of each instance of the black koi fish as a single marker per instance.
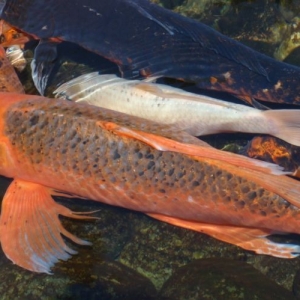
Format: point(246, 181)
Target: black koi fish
point(144, 39)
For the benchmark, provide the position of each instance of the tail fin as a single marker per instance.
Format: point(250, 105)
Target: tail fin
point(286, 124)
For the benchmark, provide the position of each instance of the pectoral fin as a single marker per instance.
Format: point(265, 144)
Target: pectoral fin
point(247, 238)
point(30, 230)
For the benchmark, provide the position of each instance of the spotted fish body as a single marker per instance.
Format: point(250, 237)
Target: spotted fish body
point(98, 154)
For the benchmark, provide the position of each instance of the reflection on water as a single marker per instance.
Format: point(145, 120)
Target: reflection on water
point(136, 257)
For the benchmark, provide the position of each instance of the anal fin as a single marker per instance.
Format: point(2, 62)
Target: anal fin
point(30, 230)
point(252, 239)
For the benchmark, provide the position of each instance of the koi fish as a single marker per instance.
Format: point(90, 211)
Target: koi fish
point(144, 40)
point(195, 114)
point(53, 146)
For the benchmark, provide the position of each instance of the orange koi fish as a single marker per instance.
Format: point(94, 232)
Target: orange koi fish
point(52, 146)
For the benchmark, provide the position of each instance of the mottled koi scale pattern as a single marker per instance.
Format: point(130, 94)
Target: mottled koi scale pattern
point(57, 137)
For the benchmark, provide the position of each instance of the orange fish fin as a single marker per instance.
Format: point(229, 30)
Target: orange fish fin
point(64, 194)
point(176, 134)
point(30, 230)
point(147, 138)
point(247, 238)
point(199, 151)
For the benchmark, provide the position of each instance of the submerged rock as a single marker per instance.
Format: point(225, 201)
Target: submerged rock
point(215, 278)
point(76, 280)
point(269, 26)
point(271, 149)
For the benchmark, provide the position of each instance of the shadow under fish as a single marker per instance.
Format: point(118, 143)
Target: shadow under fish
point(144, 39)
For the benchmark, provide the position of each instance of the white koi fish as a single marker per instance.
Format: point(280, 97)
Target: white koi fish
point(196, 114)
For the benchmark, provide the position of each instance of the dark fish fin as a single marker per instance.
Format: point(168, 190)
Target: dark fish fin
point(252, 239)
point(252, 101)
point(166, 43)
point(213, 53)
point(43, 63)
point(157, 42)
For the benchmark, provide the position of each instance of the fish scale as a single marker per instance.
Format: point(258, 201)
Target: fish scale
point(63, 139)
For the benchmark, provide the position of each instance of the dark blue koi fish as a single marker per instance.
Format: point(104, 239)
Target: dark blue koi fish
point(144, 39)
